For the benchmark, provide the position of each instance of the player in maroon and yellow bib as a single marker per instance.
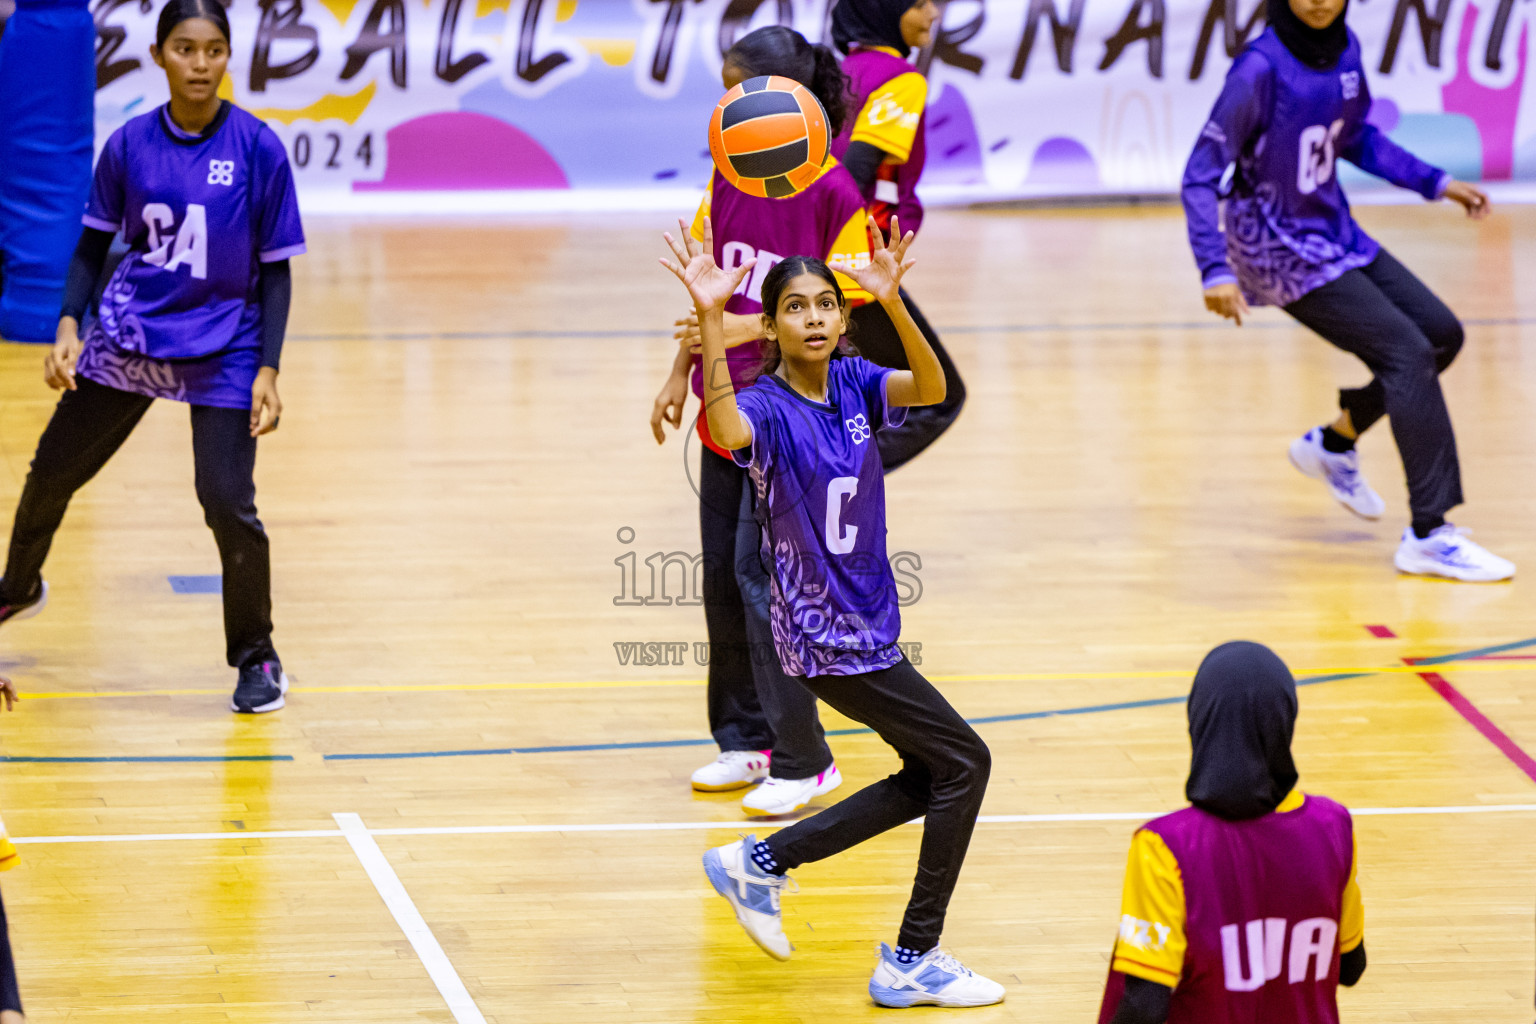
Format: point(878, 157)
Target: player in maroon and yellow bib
point(884, 149)
point(1242, 908)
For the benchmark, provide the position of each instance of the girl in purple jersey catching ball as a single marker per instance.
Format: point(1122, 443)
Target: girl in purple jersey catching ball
point(196, 312)
point(763, 722)
point(804, 428)
point(1294, 102)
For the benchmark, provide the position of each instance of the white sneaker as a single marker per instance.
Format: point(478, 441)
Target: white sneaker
point(1340, 471)
point(733, 769)
point(1447, 552)
point(938, 979)
point(752, 893)
point(785, 796)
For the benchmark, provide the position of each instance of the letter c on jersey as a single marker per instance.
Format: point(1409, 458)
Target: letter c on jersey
point(839, 538)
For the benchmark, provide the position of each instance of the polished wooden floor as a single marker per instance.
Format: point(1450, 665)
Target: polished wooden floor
point(463, 467)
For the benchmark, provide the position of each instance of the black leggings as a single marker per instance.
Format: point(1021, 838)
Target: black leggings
point(753, 705)
point(943, 777)
point(10, 993)
point(1406, 335)
point(876, 339)
point(88, 427)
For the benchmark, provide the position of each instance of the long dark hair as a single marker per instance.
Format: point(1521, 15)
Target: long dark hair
point(774, 283)
point(776, 50)
point(177, 11)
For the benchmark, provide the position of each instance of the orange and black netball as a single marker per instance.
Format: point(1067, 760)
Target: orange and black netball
point(768, 137)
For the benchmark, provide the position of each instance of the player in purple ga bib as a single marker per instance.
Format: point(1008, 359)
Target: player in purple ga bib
point(1295, 101)
point(806, 429)
point(1243, 907)
point(202, 195)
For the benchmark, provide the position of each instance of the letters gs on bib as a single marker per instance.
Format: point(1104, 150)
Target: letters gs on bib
point(1319, 143)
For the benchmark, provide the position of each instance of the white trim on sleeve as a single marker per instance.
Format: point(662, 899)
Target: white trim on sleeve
point(284, 253)
point(99, 224)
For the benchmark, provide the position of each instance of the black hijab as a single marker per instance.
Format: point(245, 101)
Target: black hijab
point(1242, 712)
point(870, 23)
point(1318, 48)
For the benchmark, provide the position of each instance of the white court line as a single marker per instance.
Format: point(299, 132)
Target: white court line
point(703, 826)
point(410, 920)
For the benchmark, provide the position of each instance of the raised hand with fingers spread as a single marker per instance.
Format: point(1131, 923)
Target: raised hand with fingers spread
point(708, 285)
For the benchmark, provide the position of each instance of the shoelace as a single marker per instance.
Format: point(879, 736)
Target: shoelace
point(946, 962)
point(1344, 473)
point(774, 883)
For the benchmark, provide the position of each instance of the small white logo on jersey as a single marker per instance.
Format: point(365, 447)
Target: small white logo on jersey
point(221, 172)
point(858, 427)
point(1350, 80)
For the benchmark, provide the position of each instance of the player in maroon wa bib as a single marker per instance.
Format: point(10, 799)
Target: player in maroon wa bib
point(1243, 908)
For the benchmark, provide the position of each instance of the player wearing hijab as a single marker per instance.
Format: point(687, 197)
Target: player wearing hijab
point(1294, 101)
point(804, 429)
point(884, 148)
point(1244, 906)
point(196, 312)
point(764, 722)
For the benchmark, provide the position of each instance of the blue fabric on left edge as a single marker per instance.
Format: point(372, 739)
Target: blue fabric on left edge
point(47, 129)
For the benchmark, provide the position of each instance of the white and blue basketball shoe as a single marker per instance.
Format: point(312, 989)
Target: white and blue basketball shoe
point(936, 979)
point(1339, 471)
point(752, 893)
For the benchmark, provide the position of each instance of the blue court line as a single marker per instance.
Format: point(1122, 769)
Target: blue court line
point(1478, 652)
point(1089, 709)
point(183, 759)
point(197, 584)
point(1212, 324)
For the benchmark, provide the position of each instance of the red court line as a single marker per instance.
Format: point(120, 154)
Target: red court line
point(1504, 657)
point(1381, 632)
point(1479, 721)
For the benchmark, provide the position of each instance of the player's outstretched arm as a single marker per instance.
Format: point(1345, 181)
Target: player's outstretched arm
point(1471, 198)
point(881, 277)
point(710, 287)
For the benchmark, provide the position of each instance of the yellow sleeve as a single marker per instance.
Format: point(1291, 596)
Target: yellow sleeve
point(1352, 916)
point(698, 219)
point(1152, 941)
point(9, 858)
point(889, 118)
point(852, 247)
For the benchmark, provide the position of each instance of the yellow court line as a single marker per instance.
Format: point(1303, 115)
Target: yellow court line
point(599, 684)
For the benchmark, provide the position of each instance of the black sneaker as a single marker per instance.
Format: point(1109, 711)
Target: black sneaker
point(28, 608)
point(260, 689)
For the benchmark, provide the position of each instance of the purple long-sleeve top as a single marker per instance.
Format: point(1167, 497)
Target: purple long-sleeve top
point(1281, 125)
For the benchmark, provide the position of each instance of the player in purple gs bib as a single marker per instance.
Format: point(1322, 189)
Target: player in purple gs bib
point(805, 428)
point(1294, 102)
point(1243, 907)
point(203, 196)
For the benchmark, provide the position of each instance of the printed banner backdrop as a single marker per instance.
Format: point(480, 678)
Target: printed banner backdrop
point(1028, 97)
